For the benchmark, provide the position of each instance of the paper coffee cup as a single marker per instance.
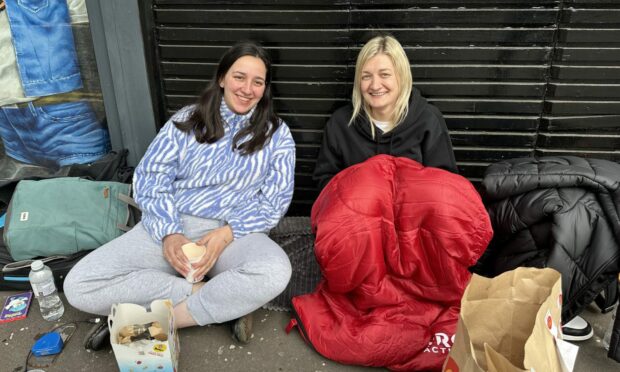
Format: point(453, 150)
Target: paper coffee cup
point(194, 253)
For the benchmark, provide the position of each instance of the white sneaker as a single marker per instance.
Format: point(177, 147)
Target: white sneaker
point(578, 329)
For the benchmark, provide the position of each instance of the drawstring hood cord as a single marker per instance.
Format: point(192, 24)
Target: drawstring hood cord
point(389, 152)
point(391, 143)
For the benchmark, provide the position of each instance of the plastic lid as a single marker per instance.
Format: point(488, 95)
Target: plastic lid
point(36, 265)
point(49, 344)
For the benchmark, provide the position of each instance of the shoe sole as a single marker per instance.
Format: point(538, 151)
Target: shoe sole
point(566, 337)
point(98, 336)
point(242, 329)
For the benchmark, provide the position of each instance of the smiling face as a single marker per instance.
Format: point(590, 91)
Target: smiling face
point(379, 86)
point(244, 84)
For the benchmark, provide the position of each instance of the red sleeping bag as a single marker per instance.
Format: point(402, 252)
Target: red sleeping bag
point(394, 240)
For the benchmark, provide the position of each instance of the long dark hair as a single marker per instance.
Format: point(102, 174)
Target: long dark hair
point(206, 122)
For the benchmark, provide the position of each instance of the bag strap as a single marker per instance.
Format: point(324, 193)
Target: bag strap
point(122, 227)
point(606, 302)
point(127, 199)
point(14, 266)
point(132, 203)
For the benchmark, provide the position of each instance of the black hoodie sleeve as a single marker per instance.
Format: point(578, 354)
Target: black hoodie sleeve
point(329, 162)
point(437, 148)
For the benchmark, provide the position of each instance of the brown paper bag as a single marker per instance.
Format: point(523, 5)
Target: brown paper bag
point(509, 323)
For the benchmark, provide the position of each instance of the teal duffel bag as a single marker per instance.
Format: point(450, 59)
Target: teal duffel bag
point(61, 216)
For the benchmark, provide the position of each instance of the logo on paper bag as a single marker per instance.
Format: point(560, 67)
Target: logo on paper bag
point(551, 326)
point(440, 344)
point(451, 366)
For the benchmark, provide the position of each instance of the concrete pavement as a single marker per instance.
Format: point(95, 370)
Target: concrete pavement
point(212, 348)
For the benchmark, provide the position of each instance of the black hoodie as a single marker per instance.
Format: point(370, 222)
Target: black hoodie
point(422, 136)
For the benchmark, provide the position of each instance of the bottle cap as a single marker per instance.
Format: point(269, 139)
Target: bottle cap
point(36, 265)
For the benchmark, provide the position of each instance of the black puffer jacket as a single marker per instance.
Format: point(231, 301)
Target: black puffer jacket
point(558, 212)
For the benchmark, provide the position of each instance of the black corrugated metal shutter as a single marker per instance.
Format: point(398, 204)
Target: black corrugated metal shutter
point(513, 78)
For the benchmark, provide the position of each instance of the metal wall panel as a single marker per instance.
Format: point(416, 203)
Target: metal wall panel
point(512, 77)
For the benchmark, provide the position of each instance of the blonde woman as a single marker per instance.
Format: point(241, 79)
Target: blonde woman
point(386, 116)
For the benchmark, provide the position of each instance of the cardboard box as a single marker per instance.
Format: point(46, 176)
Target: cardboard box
point(145, 355)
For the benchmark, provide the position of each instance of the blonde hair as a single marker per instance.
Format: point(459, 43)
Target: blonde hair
point(389, 46)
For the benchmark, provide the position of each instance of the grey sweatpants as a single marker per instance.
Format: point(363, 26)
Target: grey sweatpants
point(250, 272)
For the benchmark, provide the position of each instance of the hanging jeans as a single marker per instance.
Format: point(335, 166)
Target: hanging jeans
point(44, 46)
point(53, 135)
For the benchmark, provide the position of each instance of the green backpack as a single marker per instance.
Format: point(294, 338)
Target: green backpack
point(61, 216)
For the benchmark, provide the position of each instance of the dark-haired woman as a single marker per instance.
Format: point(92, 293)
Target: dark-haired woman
point(220, 174)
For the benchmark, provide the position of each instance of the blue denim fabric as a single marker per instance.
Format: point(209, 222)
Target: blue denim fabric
point(44, 47)
point(53, 135)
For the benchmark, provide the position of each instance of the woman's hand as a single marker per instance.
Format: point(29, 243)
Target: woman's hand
point(174, 254)
point(215, 241)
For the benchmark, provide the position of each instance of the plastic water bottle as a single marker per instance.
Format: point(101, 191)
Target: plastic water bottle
point(42, 282)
